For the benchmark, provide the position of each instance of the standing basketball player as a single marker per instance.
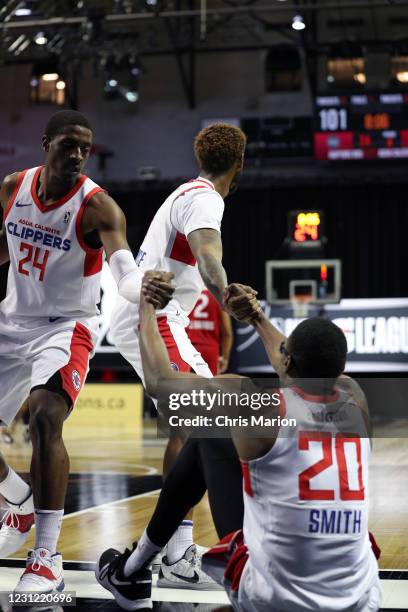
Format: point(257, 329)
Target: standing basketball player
point(57, 223)
point(305, 545)
point(210, 331)
point(184, 238)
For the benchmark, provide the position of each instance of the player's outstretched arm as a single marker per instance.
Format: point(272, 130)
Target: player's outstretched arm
point(104, 216)
point(271, 338)
point(155, 293)
point(6, 191)
point(227, 339)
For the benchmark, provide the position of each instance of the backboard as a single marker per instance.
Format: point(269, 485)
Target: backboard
point(317, 280)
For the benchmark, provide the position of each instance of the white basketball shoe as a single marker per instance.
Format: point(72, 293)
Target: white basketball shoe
point(186, 573)
point(43, 573)
point(17, 523)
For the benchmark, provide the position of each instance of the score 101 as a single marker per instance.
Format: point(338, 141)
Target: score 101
point(336, 119)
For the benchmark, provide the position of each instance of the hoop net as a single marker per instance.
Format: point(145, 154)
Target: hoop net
point(300, 305)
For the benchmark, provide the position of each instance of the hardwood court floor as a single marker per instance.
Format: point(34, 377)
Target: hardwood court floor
point(115, 483)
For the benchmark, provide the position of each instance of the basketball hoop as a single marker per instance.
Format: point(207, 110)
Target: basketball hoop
point(300, 305)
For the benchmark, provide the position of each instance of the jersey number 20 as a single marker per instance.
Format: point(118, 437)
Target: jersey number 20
point(326, 440)
point(33, 256)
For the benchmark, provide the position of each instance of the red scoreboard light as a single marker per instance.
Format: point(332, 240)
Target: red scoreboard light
point(306, 228)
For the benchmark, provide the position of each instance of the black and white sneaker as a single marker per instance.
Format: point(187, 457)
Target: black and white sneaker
point(186, 573)
point(131, 593)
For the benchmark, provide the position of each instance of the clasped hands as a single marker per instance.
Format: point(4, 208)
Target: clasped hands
point(238, 300)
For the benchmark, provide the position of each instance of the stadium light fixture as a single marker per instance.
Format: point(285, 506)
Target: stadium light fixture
point(298, 23)
point(40, 39)
point(22, 12)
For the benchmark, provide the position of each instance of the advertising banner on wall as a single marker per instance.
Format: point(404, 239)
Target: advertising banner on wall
point(106, 411)
point(376, 332)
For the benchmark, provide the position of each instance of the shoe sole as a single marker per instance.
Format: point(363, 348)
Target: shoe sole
point(125, 604)
point(57, 589)
point(164, 583)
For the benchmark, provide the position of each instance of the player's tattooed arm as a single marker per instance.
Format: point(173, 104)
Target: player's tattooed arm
point(271, 338)
point(6, 191)
point(155, 359)
point(206, 246)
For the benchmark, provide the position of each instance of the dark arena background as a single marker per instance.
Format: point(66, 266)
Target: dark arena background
point(318, 224)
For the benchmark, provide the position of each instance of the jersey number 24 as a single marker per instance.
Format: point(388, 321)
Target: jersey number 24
point(34, 257)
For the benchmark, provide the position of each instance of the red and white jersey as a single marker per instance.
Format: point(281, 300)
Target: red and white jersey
point(306, 510)
point(204, 326)
point(52, 273)
point(192, 206)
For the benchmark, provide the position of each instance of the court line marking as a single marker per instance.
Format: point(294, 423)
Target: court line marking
point(85, 585)
point(150, 471)
point(93, 563)
point(107, 504)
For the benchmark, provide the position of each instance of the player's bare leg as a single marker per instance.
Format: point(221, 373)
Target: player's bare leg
point(50, 461)
point(49, 479)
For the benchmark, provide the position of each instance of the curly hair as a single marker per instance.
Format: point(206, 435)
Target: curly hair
point(218, 147)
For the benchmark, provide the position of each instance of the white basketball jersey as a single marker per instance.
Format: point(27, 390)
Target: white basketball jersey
point(52, 273)
point(306, 510)
point(193, 205)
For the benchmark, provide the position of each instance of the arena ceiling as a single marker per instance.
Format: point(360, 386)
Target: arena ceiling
point(72, 31)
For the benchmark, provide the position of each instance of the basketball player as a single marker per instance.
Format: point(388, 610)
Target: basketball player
point(306, 544)
point(57, 225)
point(184, 238)
point(210, 332)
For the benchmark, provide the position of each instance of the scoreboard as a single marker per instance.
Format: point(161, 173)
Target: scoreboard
point(306, 228)
point(361, 126)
